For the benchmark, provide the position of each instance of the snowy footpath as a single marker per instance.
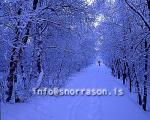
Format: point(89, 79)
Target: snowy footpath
point(80, 107)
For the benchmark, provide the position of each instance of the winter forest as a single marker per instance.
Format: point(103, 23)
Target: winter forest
point(75, 44)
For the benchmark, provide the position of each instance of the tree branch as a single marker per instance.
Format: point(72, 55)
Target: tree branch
point(142, 17)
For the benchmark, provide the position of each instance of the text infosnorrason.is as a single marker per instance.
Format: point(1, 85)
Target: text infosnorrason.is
point(78, 92)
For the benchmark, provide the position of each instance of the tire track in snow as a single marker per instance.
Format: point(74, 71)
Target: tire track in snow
point(74, 106)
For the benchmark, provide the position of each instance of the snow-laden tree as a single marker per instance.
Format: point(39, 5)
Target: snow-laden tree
point(43, 43)
point(126, 44)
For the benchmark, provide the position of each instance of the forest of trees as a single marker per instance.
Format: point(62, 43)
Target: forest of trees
point(126, 45)
point(43, 42)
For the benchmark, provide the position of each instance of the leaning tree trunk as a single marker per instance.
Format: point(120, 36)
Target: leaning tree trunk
point(17, 51)
point(12, 75)
point(15, 60)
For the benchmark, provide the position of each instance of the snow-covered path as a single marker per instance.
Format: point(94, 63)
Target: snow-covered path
point(80, 107)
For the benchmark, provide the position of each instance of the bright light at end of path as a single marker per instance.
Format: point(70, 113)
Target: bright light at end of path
point(89, 2)
point(111, 1)
point(99, 19)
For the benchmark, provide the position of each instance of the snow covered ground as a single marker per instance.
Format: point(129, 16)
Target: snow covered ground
point(80, 107)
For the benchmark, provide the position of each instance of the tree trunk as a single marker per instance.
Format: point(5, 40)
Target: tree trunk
point(124, 73)
point(12, 76)
point(129, 76)
point(145, 76)
point(139, 94)
point(17, 55)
